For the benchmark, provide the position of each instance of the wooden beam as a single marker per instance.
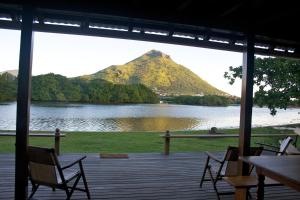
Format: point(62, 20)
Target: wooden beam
point(135, 36)
point(23, 104)
point(246, 103)
point(84, 30)
point(195, 31)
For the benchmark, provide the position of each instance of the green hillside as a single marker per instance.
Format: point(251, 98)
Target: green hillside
point(159, 72)
point(55, 87)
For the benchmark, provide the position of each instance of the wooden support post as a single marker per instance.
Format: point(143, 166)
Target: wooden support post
point(167, 143)
point(23, 104)
point(57, 141)
point(246, 103)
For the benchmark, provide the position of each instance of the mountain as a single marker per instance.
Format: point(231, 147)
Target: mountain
point(156, 71)
point(159, 72)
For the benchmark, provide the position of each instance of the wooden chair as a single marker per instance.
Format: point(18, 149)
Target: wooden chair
point(227, 167)
point(44, 169)
point(284, 148)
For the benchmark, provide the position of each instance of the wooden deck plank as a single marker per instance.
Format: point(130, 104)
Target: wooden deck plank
point(141, 176)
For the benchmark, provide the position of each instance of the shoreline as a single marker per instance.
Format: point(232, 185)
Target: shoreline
point(294, 125)
point(33, 102)
point(281, 127)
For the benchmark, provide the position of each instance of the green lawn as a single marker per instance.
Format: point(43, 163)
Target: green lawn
point(136, 142)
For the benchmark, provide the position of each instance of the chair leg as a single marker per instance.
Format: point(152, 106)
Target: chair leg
point(249, 194)
point(204, 172)
point(84, 181)
point(214, 181)
point(74, 185)
point(67, 192)
point(34, 189)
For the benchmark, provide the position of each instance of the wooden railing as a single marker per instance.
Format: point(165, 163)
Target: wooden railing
point(57, 135)
point(168, 137)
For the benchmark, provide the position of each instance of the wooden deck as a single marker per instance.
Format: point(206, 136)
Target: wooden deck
point(142, 176)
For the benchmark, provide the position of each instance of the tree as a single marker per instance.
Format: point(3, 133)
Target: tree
point(278, 81)
point(8, 87)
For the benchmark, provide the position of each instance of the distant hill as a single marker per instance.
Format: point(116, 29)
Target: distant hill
point(159, 72)
point(12, 72)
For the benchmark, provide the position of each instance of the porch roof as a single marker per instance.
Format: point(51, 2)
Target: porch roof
point(210, 24)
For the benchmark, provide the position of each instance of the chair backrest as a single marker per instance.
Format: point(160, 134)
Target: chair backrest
point(231, 161)
point(43, 165)
point(232, 157)
point(284, 145)
point(292, 150)
point(297, 130)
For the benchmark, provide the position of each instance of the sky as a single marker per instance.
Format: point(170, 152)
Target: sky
point(74, 55)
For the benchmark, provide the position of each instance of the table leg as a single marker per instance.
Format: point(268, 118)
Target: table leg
point(240, 193)
point(260, 187)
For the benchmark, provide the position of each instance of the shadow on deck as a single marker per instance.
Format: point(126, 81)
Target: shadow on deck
point(142, 176)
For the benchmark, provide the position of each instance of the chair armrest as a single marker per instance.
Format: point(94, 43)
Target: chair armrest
point(267, 145)
point(213, 157)
point(73, 163)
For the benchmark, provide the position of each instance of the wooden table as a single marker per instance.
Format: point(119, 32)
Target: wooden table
point(284, 169)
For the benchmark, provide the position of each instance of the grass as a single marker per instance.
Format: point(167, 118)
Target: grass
point(137, 142)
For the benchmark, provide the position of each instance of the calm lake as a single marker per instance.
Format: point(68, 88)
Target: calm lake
point(140, 117)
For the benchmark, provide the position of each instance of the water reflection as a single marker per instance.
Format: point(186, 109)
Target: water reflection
point(156, 124)
point(118, 124)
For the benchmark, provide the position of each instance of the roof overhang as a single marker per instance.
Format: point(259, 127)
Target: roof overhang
point(180, 25)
